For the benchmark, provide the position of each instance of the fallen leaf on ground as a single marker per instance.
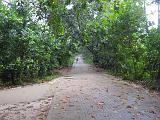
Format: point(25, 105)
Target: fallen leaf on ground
point(93, 116)
point(151, 110)
point(129, 106)
point(100, 104)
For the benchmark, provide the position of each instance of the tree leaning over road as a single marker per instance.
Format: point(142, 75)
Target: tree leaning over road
point(37, 36)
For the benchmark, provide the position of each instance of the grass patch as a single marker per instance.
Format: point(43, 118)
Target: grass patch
point(31, 81)
point(46, 78)
point(149, 84)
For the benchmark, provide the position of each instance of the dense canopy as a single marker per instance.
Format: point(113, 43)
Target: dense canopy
point(38, 36)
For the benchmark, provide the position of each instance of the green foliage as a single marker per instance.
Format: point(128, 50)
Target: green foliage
point(38, 36)
point(119, 42)
point(88, 59)
point(30, 47)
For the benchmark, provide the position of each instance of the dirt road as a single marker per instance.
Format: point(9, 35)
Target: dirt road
point(84, 93)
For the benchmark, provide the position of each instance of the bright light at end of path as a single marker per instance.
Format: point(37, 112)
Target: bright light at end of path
point(152, 13)
point(69, 7)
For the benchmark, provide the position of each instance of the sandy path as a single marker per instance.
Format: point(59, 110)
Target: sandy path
point(33, 110)
point(31, 102)
point(26, 94)
point(82, 94)
point(86, 94)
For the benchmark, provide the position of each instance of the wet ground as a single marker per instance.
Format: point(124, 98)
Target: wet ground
point(84, 93)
